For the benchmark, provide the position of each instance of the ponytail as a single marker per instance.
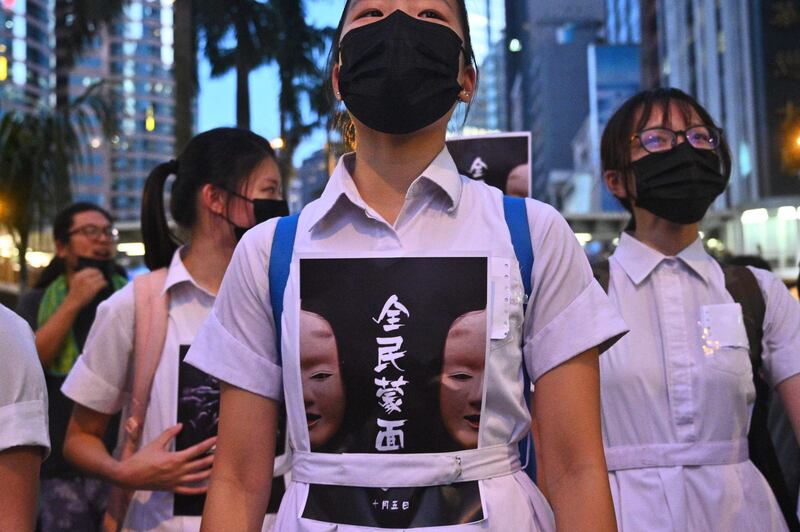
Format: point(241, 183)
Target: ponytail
point(159, 242)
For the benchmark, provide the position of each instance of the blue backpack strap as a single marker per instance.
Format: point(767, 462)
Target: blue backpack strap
point(516, 215)
point(280, 260)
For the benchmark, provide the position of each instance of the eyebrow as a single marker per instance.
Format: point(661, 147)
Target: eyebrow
point(446, 2)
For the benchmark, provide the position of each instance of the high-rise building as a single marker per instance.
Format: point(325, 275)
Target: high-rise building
point(487, 21)
point(548, 75)
point(135, 56)
point(26, 54)
point(310, 180)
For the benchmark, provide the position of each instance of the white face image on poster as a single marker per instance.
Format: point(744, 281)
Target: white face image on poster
point(323, 390)
point(461, 381)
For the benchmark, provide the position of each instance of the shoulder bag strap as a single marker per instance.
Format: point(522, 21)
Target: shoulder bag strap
point(151, 313)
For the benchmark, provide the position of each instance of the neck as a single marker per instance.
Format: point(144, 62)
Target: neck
point(386, 165)
point(662, 235)
point(208, 256)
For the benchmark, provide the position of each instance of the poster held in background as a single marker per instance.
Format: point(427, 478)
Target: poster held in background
point(392, 353)
point(502, 160)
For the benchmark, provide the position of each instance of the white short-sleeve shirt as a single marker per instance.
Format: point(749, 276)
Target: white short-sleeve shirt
point(443, 213)
point(677, 392)
point(23, 395)
point(100, 379)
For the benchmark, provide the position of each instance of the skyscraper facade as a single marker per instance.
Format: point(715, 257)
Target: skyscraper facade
point(135, 56)
point(26, 54)
point(548, 75)
point(487, 20)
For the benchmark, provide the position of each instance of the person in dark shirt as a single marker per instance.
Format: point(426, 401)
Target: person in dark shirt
point(61, 309)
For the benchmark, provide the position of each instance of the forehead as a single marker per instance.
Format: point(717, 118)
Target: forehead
point(675, 115)
point(90, 218)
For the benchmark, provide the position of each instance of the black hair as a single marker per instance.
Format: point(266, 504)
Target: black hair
point(615, 153)
point(62, 225)
point(223, 157)
point(342, 120)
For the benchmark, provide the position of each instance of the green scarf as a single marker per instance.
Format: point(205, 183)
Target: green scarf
point(53, 297)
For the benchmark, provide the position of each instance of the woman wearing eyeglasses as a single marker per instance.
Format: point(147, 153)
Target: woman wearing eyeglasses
point(677, 391)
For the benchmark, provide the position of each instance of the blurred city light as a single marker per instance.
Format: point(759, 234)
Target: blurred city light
point(583, 238)
point(755, 216)
point(788, 213)
point(131, 249)
point(276, 143)
point(3, 68)
point(150, 119)
point(38, 259)
point(514, 46)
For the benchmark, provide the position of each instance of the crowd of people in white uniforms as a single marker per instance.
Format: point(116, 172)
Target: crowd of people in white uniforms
point(378, 347)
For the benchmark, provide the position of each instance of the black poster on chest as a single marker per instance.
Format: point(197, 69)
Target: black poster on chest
point(198, 410)
point(392, 354)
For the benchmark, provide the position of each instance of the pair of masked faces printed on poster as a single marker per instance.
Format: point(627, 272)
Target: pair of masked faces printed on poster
point(398, 368)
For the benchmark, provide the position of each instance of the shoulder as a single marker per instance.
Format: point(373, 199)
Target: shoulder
point(17, 335)
point(119, 307)
point(772, 288)
point(18, 356)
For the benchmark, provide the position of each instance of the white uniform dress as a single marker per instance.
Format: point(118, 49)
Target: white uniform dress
point(443, 213)
point(677, 393)
point(101, 377)
point(23, 395)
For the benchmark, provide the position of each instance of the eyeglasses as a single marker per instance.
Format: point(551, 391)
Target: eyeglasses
point(94, 232)
point(659, 139)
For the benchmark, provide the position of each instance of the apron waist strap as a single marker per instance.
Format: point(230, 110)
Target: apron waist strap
point(404, 470)
point(621, 457)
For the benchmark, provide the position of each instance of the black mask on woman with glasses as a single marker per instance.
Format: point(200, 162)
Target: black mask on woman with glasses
point(680, 184)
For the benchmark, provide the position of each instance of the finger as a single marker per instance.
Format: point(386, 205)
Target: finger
point(196, 465)
point(194, 477)
point(185, 490)
point(165, 437)
point(198, 449)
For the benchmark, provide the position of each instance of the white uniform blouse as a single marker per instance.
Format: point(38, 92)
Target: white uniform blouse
point(23, 395)
point(100, 379)
point(443, 213)
point(677, 393)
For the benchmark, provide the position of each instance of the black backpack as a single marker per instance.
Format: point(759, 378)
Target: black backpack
point(742, 285)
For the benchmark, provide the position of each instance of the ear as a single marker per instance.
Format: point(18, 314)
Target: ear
point(214, 199)
point(61, 249)
point(468, 84)
point(335, 81)
point(615, 183)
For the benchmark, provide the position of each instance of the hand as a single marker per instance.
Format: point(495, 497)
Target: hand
point(154, 468)
point(85, 285)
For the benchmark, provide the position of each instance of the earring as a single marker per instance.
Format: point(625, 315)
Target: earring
point(338, 95)
point(466, 95)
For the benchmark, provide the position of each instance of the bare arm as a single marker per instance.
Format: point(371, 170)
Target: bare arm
point(50, 336)
point(789, 390)
point(240, 484)
point(153, 467)
point(567, 405)
point(19, 469)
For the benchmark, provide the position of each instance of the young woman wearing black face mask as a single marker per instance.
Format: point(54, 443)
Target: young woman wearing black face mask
point(401, 67)
point(678, 390)
point(220, 177)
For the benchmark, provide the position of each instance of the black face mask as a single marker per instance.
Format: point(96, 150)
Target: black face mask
point(85, 317)
point(400, 74)
point(106, 266)
point(263, 210)
point(679, 185)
